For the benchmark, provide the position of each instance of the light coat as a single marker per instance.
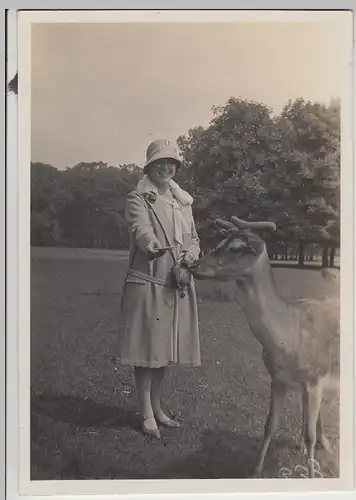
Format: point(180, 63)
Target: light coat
point(158, 327)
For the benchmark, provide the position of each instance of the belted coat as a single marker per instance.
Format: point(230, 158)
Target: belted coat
point(158, 327)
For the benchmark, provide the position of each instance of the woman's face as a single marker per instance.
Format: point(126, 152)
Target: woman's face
point(162, 171)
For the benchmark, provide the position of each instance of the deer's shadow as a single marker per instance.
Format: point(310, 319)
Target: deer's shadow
point(223, 454)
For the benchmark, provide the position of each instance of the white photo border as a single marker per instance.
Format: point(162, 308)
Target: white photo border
point(18, 278)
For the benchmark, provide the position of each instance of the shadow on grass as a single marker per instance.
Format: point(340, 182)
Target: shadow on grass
point(80, 412)
point(222, 454)
point(211, 454)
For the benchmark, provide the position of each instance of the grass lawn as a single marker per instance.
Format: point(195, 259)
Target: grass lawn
point(83, 408)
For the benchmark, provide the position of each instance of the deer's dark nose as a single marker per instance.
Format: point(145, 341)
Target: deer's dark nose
point(194, 265)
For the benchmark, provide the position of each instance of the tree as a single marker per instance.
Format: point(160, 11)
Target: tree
point(308, 173)
point(224, 162)
point(284, 168)
point(81, 206)
point(44, 191)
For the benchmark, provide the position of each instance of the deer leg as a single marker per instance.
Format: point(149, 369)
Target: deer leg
point(278, 393)
point(312, 400)
point(321, 440)
point(302, 444)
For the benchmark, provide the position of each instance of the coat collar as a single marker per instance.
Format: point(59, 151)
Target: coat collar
point(146, 186)
point(149, 191)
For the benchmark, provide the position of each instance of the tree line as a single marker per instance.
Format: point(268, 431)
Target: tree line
point(246, 162)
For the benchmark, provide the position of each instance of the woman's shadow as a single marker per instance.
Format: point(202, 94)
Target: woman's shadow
point(81, 412)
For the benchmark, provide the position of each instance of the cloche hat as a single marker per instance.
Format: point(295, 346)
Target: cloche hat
point(160, 149)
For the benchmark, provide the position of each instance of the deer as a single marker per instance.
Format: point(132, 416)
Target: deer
point(297, 350)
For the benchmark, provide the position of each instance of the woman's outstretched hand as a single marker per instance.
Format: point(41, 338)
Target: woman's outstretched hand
point(154, 250)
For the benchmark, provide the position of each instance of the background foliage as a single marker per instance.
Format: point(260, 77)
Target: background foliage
point(246, 162)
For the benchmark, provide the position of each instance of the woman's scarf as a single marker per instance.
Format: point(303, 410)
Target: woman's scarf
point(145, 185)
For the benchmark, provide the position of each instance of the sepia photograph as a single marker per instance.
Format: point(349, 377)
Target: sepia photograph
point(185, 239)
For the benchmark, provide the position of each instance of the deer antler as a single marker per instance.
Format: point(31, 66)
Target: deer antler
point(224, 224)
point(226, 228)
point(242, 224)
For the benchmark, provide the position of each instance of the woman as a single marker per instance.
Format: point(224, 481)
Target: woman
point(159, 321)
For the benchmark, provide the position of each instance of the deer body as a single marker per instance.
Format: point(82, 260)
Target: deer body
point(285, 330)
point(296, 350)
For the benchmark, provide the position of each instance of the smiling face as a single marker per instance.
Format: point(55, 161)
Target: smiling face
point(162, 171)
point(232, 258)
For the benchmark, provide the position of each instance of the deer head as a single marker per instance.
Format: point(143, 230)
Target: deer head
point(237, 254)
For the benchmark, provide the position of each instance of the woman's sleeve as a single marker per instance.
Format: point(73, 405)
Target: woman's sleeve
point(194, 247)
point(138, 220)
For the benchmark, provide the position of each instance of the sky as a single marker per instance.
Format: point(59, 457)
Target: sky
point(103, 92)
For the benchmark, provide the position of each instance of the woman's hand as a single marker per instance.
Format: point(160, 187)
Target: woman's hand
point(187, 259)
point(154, 249)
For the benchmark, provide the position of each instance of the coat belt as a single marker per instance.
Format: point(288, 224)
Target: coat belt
point(146, 277)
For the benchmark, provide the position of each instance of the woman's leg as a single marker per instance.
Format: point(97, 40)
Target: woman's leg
point(156, 389)
point(143, 381)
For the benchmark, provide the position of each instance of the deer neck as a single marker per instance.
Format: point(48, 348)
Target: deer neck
point(265, 310)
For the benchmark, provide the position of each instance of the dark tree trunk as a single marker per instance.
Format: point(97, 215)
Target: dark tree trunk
point(324, 257)
point(301, 254)
point(332, 256)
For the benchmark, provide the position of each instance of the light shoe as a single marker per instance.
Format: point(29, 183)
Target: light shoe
point(148, 430)
point(167, 422)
